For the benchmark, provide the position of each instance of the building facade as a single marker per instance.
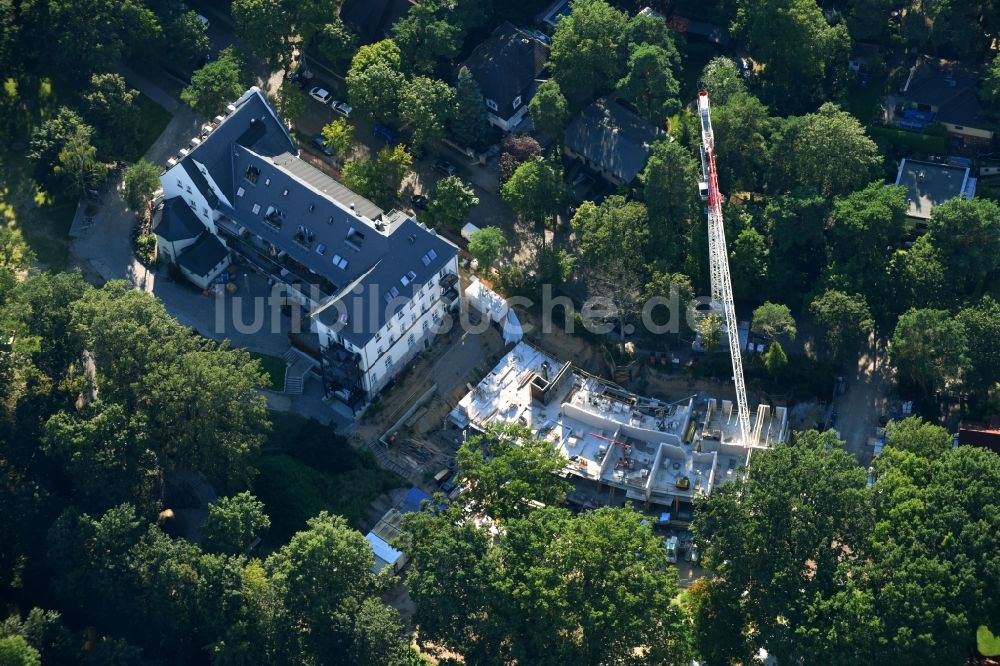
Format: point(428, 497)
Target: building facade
point(371, 283)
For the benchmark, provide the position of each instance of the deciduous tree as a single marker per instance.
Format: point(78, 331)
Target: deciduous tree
point(847, 320)
point(375, 80)
point(428, 106)
point(966, 233)
point(451, 201)
point(549, 111)
point(233, 523)
point(649, 84)
point(111, 109)
point(721, 78)
point(773, 320)
point(929, 348)
point(216, 84)
point(536, 190)
point(142, 179)
point(588, 53)
point(486, 245)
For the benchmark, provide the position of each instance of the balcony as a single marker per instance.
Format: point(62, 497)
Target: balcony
point(283, 268)
point(448, 280)
point(342, 376)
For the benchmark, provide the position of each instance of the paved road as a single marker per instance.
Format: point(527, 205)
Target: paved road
point(860, 406)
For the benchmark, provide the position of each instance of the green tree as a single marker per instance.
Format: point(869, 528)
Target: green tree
point(668, 189)
point(15, 651)
point(847, 320)
point(796, 231)
point(981, 322)
point(78, 165)
point(966, 233)
point(335, 42)
point(216, 84)
point(555, 265)
point(721, 78)
point(866, 226)
point(748, 262)
point(187, 38)
point(375, 81)
point(549, 111)
point(339, 135)
point(312, 16)
point(450, 202)
point(49, 139)
point(990, 90)
point(429, 32)
point(142, 179)
point(469, 124)
point(915, 278)
point(290, 102)
point(709, 327)
point(929, 348)
point(536, 190)
point(428, 106)
point(111, 109)
point(779, 543)
point(615, 228)
point(827, 151)
point(379, 179)
point(669, 286)
point(742, 128)
point(486, 245)
point(266, 26)
point(801, 53)
point(233, 523)
point(775, 359)
point(773, 320)
point(917, 436)
point(105, 453)
point(507, 467)
point(650, 84)
point(588, 53)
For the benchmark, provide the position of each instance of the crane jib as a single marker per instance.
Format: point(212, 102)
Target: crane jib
point(722, 288)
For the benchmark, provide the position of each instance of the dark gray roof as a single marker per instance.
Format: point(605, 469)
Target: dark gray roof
point(506, 65)
point(950, 87)
point(175, 221)
point(608, 134)
point(253, 125)
point(372, 20)
point(206, 253)
point(365, 302)
point(345, 246)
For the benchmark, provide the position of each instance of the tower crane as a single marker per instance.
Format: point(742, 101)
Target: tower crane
point(722, 285)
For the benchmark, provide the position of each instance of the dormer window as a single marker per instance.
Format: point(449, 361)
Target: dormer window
point(252, 174)
point(355, 238)
point(491, 104)
point(274, 217)
point(517, 102)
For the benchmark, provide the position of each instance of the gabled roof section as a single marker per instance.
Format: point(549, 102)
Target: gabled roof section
point(206, 253)
point(948, 86)
point(175, 221)
point(373, 19)
point(413, 253)
point(253, 125)
point(506, 65)
point(608, 134)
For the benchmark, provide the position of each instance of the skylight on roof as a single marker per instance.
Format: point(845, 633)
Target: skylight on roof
point(342, 264)
point(320, 249)
point(426, 260)
point(394, 291)
point(387, 298)
point(240, 192)
point(256, 208)
point(411, 275)
point(336, 259)
point(404, 280)
point(432, 254)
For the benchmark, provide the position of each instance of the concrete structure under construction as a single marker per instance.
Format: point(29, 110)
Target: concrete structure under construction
point(657, 453)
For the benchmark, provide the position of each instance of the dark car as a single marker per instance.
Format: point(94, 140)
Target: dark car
point(320, 142)
point(386, 134)
point(419, 201)
point(444, 167)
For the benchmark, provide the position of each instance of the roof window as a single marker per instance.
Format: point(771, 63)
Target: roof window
point(256, 208)
point(252, 174)
point(240, 192)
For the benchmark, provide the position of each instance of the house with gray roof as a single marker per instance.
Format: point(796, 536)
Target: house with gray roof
point(949, 91)
point(374, 284)
point(506, 67)
point(612, 140)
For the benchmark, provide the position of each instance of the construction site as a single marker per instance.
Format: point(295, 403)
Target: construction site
point(660, 455)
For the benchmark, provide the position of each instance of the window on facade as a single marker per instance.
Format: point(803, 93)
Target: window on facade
point(388, 362)
point(252, 174)
point(410, 341)
point(399, 315)
point(426, 324)
point(179, 183)
point(491, 104)
point(380, 350)
point(188, 188)
point(413, 319)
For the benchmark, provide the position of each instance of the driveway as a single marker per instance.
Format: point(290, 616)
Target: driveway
point(860, 406)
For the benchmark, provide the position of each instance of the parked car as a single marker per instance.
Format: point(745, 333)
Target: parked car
point(444, 167)
point(420, 201)
point(343, 108)
point(320, 142)
point(386, 134)
point(320, 95)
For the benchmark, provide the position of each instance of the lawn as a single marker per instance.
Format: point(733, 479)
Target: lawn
point(307, 468)
point(274, 367)
point(43, 218)
point(155, 120)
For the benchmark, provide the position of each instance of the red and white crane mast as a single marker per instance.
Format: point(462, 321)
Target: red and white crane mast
point(722, 285)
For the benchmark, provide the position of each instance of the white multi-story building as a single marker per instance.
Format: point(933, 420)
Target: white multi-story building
point(373, 283)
